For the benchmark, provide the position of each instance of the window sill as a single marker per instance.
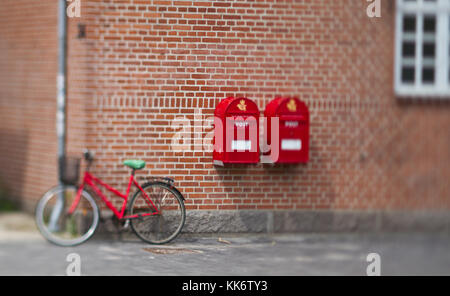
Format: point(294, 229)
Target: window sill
point(422, 93)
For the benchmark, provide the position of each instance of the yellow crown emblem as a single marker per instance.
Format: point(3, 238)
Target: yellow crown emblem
point(292, 106)
point(242, 106)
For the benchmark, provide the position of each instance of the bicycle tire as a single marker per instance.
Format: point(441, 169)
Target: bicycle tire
point(180, 200)
point(39, 217)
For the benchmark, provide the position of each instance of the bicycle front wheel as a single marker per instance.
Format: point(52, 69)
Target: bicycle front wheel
point(59, 226)
point(160, 225)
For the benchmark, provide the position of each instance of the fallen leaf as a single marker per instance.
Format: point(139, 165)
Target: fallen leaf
point(223, 241)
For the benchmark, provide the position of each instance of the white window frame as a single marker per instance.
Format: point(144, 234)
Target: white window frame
point(441, 86)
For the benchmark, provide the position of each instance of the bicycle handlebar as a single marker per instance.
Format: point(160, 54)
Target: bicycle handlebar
point(88, 156)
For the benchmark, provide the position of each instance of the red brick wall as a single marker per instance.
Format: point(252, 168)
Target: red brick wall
point(28, 66)
point(144, 63)
point(153, 61)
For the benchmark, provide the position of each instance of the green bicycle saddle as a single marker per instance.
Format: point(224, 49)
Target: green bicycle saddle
point(134, 164)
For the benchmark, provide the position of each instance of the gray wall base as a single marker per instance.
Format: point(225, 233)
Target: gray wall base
point(307, 221)
point(314, 221)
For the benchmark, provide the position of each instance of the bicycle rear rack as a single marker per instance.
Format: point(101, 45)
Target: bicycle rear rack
point(165, 179)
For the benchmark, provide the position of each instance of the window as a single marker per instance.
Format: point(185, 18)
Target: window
point(422, 55)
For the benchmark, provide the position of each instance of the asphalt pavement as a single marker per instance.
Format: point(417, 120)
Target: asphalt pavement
point(24, 252)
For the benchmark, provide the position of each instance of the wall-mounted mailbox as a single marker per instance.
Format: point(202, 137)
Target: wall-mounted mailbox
point(236, 132)
point(293, 130)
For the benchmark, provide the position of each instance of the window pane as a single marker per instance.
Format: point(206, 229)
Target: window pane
point(448, 46)
point(428, 75)
point(409, 24)
point(408, 74)
point(409, 49)
point(429, 50)
point(429, 24)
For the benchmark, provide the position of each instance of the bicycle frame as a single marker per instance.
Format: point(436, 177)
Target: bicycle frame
point(91, 181)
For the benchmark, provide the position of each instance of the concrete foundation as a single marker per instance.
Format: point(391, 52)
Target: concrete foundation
point(314, 221)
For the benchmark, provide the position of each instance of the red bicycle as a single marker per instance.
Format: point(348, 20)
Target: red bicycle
point(68, 215)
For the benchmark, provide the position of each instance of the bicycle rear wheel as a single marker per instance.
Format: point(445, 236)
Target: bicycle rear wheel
point(157, 227)
point(57, 225)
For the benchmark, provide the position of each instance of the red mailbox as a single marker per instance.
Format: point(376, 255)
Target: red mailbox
point(236, 132)
point(293, 130)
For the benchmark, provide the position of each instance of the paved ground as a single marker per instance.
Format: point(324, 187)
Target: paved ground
point(24, 252)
